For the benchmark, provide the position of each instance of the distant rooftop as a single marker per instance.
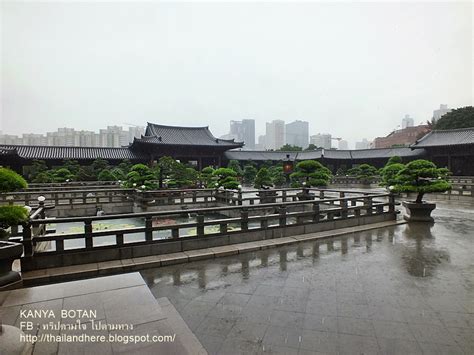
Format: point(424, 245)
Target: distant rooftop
point(451, 137)
point(176, 135)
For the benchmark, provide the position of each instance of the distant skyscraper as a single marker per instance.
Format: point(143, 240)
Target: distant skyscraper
point(321, 140)
point(407, 121)
point(364, 144)
point(297, 133)
point(443, 109)
point(343, 145)
point(261, 143)
point(243, 131)
point(275, 134)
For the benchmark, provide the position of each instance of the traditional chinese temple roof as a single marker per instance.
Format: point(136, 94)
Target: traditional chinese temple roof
point(188, 136)
point(451, 137)
point(383, 153)
point(53, 152)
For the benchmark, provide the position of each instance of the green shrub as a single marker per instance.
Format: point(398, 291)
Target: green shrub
point(62, 175)
point(312, 173)
point(207, 178)
point(394, 160)
point(422, 176)
point(235, 165)
point(263, 180)
point(141, 175)
point(11, 181)
point(250, 172)
point(12, 216)
point(363, 172)
point(106, 175)
point(278, 175)
point(389, 174)
point(226, 178)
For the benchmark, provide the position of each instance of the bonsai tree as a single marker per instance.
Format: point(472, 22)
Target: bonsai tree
point(11, 181)
point(141, 175)
point(234, 165)
point(11, 215)
point(263, 180)
point(106, 175)
point(363, 172)
point(422, 176)
point(312, 173)
point(278, 175)
point(62, 175)
point(250, 172)
point(36, 168)
point(389, 174)
point(207, 178)
point(394, 160)
point(226, 178)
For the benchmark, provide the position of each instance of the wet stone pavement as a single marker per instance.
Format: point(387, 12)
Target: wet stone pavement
point(401, 290)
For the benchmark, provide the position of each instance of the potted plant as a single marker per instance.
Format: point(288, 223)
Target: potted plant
point(421, 177)
point(309, 173)
point(263, 182)
point(10, 215)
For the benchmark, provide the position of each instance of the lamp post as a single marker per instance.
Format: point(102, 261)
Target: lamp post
point(287, 168)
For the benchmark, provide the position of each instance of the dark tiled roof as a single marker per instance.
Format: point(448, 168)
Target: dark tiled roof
point(384, 153)
point(259, 155)
point(171, 135)
point(51, 152)
point(449, 137)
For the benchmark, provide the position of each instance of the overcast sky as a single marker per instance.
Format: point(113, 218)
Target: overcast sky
point(350, 69)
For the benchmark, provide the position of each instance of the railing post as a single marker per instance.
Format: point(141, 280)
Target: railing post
point(200, 225)
point(59, 244)
point(239, 197)
point(119, 239)
point(316, 212)
point(175, 233)
point(283, 196)
point(264, 223)
point(343, 204)
point(282, 219)
point(27, 241)
point(223, 228)
point(88, 233)
point(148, 229)
point(368, 204)
point(321, 195)
point(194, 196)
point(391, 201)
point(244, 216)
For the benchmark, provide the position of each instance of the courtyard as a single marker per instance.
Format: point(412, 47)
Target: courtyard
point(405, 289)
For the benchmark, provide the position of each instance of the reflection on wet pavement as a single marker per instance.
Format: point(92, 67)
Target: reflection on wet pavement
point(399, 290)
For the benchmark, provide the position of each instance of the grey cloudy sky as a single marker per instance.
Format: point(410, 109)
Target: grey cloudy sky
point(351, 69)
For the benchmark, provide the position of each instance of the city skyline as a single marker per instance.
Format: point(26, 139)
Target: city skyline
point(352, 69)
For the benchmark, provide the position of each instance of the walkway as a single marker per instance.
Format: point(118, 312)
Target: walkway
point(405, 289)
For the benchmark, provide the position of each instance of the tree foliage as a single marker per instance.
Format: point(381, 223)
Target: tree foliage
point(459, 118)
point(311, 146)
point(290, 148)
point(394, 160)
point(226, 178)
point(312, 173)
point(12, 216)
point(389, 174)
point(263, 179)
point(422, 176)
point(141, 175)
point(278, 175)
point(235, 165)
point(208, 180)
point(11, 181)
point(363, 172)
point(249, 174)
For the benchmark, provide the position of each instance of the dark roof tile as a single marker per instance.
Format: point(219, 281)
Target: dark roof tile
point(462, 136)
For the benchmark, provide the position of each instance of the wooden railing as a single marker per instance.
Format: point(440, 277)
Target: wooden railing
point(254, 217)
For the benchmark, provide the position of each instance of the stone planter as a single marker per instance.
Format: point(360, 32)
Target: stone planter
point(305, 195)
point(267, 196)
point(418, 212)
point(8, 253)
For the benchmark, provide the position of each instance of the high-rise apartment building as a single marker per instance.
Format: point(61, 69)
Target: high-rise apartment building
point(443, 109)
point(364, 144)
point(275, 134)
point(407, 121)
point(243, 131)
point(321, 140)
point(297, 133)
point(343, 145)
